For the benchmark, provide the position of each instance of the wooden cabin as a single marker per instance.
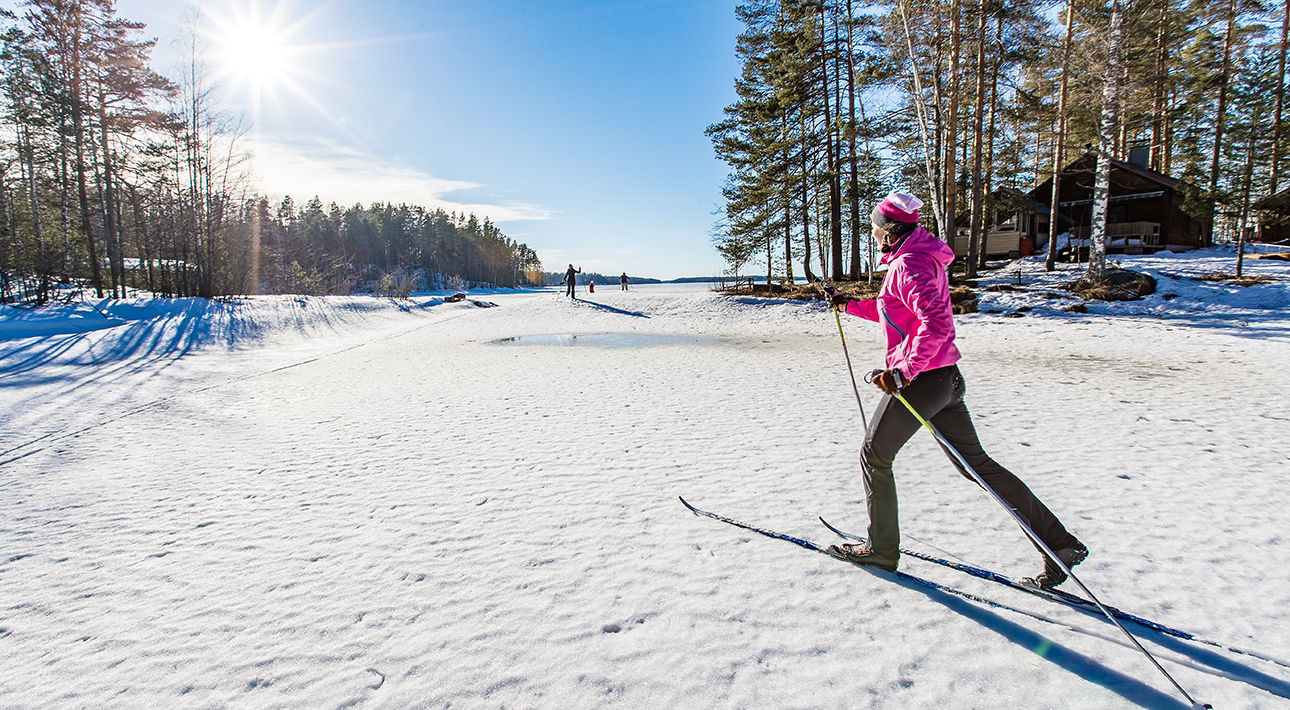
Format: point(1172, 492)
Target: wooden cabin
point(1144, 214)
point(1273, 219)
point(1012, 224)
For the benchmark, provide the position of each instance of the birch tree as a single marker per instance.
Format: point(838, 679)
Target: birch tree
point(1106, 140)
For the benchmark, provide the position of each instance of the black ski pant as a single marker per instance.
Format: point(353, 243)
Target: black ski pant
point(569, 291)
point(938, 397)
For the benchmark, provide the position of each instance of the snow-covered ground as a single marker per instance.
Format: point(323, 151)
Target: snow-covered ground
point(340, 502)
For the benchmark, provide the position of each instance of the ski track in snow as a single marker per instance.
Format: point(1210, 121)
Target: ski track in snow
point(330, 502)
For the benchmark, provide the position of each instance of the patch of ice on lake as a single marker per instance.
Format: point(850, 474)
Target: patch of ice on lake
point(612, 340)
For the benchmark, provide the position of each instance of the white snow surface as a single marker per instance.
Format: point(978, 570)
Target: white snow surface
point(288, 502)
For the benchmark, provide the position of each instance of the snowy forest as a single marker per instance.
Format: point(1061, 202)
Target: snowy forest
point(115, 177)
point(840, 102)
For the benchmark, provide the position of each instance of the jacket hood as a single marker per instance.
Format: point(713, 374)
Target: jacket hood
point(922, 241)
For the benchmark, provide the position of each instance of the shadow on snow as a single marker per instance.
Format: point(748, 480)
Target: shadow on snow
point(1132, 689)
point(611, 309)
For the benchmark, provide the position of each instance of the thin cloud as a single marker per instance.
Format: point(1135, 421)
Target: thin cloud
point(304, 168)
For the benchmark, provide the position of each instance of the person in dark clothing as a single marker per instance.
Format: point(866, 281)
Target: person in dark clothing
point(914, 308)
point(571, 278)
point(623, 280)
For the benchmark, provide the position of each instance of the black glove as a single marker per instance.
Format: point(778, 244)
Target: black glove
point(889, 381)
point(836, 299)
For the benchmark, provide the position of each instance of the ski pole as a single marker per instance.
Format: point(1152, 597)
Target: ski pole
point(1051, 555)
point(838, 318)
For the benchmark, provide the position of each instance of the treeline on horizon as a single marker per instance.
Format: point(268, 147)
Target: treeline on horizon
point(555, 278)
point(115, 177)
point(840, 102)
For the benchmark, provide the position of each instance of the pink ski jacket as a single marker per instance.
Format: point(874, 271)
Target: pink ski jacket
point(914, 306)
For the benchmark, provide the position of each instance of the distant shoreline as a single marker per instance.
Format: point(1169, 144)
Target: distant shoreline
point(704, 279)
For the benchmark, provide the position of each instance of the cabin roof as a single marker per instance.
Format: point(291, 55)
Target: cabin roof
point(1088, 162)
point(1279, 202)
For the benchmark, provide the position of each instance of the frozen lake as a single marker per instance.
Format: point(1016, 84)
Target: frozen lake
point(354, 502)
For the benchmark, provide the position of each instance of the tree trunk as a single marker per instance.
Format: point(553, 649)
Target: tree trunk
point(989, 151)
point(952, 126)
point(1274, 170)
point(821, 222)
point(1158, 103)
point(770, 260)
point(1247, 185)
point(929, 157)
point(1275, 167)
point(1059, 144)
point(146, 253)
point(64, 198)
point(855, 177)
point(806, 203)
point(1220, 113)
point(978, 133)
point(1106, 138)
point(832, 149)
point(116, 263)
point(28, 151)
point(788, 238)
point(78, 128)
point(788, 212)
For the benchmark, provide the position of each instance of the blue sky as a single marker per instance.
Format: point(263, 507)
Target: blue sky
point(576, 126)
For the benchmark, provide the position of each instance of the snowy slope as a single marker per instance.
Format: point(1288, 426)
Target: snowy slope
point(330, 502)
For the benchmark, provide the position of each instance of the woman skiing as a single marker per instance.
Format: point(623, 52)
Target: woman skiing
point(913, 307)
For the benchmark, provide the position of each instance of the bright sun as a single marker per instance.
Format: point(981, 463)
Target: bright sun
point(258, 50)
point(250, 48)
point(253, 51)
point(258, 56)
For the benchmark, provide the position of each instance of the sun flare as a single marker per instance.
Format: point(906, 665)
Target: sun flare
point(256, 55)
point(252, 50)
point(270, 51)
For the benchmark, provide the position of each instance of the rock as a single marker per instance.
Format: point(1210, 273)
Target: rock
point(958, 294)
point(1138, 283)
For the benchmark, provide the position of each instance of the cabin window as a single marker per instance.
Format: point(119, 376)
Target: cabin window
point(1117, 214)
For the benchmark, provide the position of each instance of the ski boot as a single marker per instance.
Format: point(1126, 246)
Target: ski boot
point(1053, 574)
point(861, 555)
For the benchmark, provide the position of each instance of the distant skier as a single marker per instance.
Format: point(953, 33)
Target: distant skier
point(623, 280)
point(570, 278)
point(914, 310)
point(591, 285)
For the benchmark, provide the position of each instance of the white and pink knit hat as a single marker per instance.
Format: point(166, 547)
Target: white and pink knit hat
point(896, 207)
